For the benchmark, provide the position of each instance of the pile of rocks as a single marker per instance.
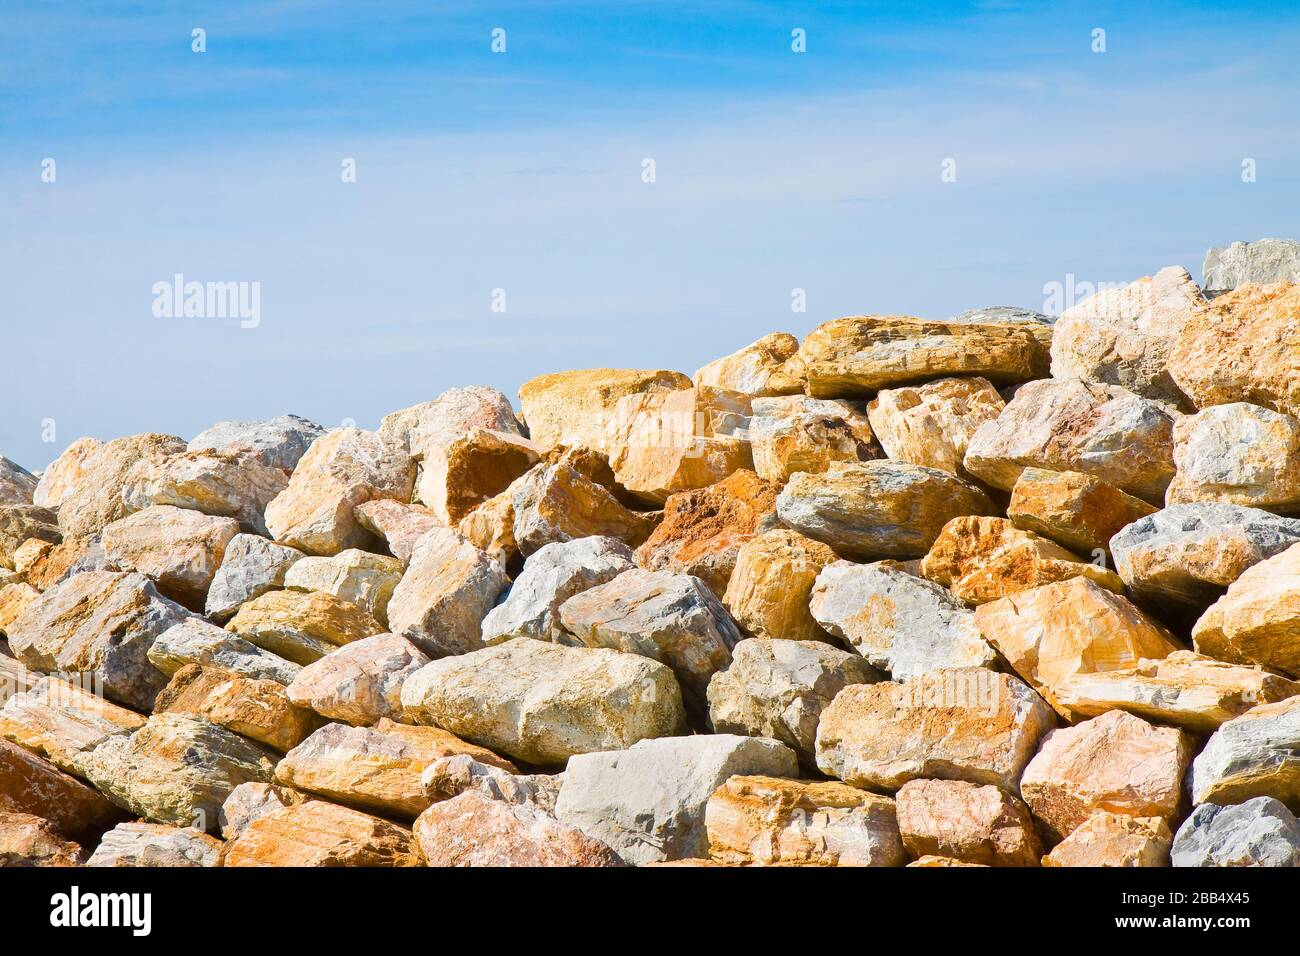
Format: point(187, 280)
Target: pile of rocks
point(1000, 590)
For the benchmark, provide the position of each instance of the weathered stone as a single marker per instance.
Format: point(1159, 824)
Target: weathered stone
point(983, 559)
point(1258, 620)
point(542, 703)
point(899, 622)
point(30, 784)
point(557, 502)
point(577, 408)
point(257, 709)
point(862, 354)
point(302, 626)
point(459, 475)
point(1116, 762)
point(59, 720)
point(20, 523)
point(249, 801)
point(1079, 511)
point(178, 548)
point(374, 768)
point(878, 509)
point(225, 484)
point(1124, 336)
point(474, 830)
point(769, 821)
point(448, 777)
point(806, 434)
point(366, 580)
point(59, 562)
point(152, 844)
point(970, 822)
point(779, 688)
point(932, 424)
point(27, 840)
point(14, 677)
point(17, 484)
point(359, 683)
point(29, 552)
point(757, 369)
point(93, 497)
point(1237, 454)
point(195, 641)
point(279, 442)
point(399, 525)
point(177, 769)
point(422, 428)
point(1050, 633)
point(339, 471)
point(317, 833)
point(491, 527)
point(1185, 556)
point(965, 724)
point(1184, 689)
point(550, 577)
point(1114, 840)
point(703, 530)
point(250, 566)
point(99, 624)
point(64, 473)
point(1011, 314)
point(664, 442)
point(1068, 425)
point(1254, 755)
point(770, 586)
point(1241, 348)
point(648, 802)
point(1259, 832)
point(446, 592)
point(1264, 260)
point(14, 599)
point(939, 861)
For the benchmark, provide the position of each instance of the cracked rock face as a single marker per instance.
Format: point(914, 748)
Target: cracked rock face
point(974, 823)
point(797, 433)
point(250, 566)
point(578, 408)
point(317, 833)
point(1258, 832)
point(758, 369)
point(1114, 840)
point(1254, 755)
point(278, 442)
point(1237, 454)
point(360, 683)
point(769, 590)
point(1265, 260)
point(932, 424)
point(153, 844)
point(27, 840)
point(1255, 621)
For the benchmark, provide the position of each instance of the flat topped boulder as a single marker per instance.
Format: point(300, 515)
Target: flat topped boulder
point(1255, 622)
point(542, 703)
point(758, 369)
point(1238, 454)
point(932, 424)
point(302, 626)
point(797, 433)
point(1254, 755)
point(195, 641)
point(859, 355)
point(279, 442)
point(1264, 260)
point(1080, 512)
point(318, 833)
point(576, 408)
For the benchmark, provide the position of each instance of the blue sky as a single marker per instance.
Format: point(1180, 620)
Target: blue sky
point(522, 171)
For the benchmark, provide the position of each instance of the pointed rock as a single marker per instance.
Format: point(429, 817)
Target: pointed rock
point(758, 369)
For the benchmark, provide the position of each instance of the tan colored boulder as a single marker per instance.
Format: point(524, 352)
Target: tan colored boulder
point(64, 473)
point(861, 354)
point(27, 840)
point(397, 524)
point(375, 768)
point(927, 862)
point(1116, 762)
point(1080, 512)
point(770, 588)
point(249, 801)
point(970, 822)
point(92, 497)
point(360, 683)
point(31, 784)
point(758, 369)
point(560, 501)
point(459, 475)
point(771, 821)
point(1050, 633)
point(178, 548)
point(422, 428)
point(491, 528)
point(366, 580)
point(317, 833)
point(1237, 454)
point(55, 564)
point(797, 433)
point(257, 709)
point(1241, 348)
point(29, 552)
point(576, 408)
point(878, 509)
point(1068, 425)
point(1184, 689)
point(155, 845)
point(17, 484)
point(221, 483)
point(20, 524)
point(340, 470)
point(1258, 620)
point(58, 720)
point(1125, 336)
point(932, 424)
point(966, 724)
point(14, 598)
point(195, 641)
point(703, 530)
point(15, 678)
point(302, 627)
point(983, 559)
point(1114, 840)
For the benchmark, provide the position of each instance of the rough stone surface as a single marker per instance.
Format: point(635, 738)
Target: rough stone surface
point(317, 833)
point(543, 703)
point(14, 599)
point(899, 622)
point(448, 777)
point(779, 688)
point(1114, 840)
point(1264, 260)
point(64, 473)
point(1254, 755)
point(806, 434)
point(361, 682)
point(29, 552)
point(965, 724)
point(178, 548)
point(27, 840)
point(100, 624)
point(556, 501)
point(250, 566)
point(31, 784)
point(399, 525)
point(1237, 454)
point(648, 802)
point(770, 821)
point(458, 475)
point(1004, 313)
point(878, 509)
point(59, 720)
point(14, 677)
point(576, 408)
point(152, 844)
point(770, 588)
point(1258, 620)
point(249, 801)
point(93, 498)
point(966, 821)
point(257, 709)
point(195, 641)
point(1053, 632)
point(19, 524)
point(758, 369)
point(279, 442)
point(366, 580)
point(1068, 425)
point(860, 355)
point(422, 429)
point(225, 484)
point(17, 484)
point(302, 626)
point(1080, 512)
point(1116, 763)
point(1259, 832)
point(932, 424)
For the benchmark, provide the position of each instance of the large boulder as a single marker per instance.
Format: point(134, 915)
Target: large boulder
point(250, 566)
point(758, 369)
point(360, 683)
point(302, 626)
point(178, 548)
point(64, 473)
point(974, 823)
point(318, 833)
point(1237, 454)
point(365, 579)
point(17, 484)
point(422, 428)
point(279, 442)
point(770, 588)
point(20, 524)
point(560, 501)
point(1081, 512)
point(1264, 260)
point(1254, 755)
point(93, 497)
point(32, 785)
point(257, 709)
point(226, 484)
point(59, 720)
point(576, 408)
point(797, 433)
point(932, 424)
point(458, 475)
point(155, 844)
point(1259, 832)
point(1114, 840)
point(195, 641)
point(1258, 620)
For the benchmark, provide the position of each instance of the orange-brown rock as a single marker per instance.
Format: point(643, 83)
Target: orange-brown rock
point(1258, 620)
point(491, 528)
point(758, 369)
point(772, 584)
point(258, 709)
point(30, 784)
point(58, 720)
point(932, 424)
point(798, 433)
point(560, 501)
point(576, 408)
point(1081, 512)
point(302, 626)
point(29, 552)
point(458, 475)
point(1052, 632)
point(53, 566)
point(14, 598)
point(92, 497)
point(20, 524)
point(982, 559)
point(926, 862)
point(317, 833)
point(966, 821)
point(27, 840)
point(1114, 840)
